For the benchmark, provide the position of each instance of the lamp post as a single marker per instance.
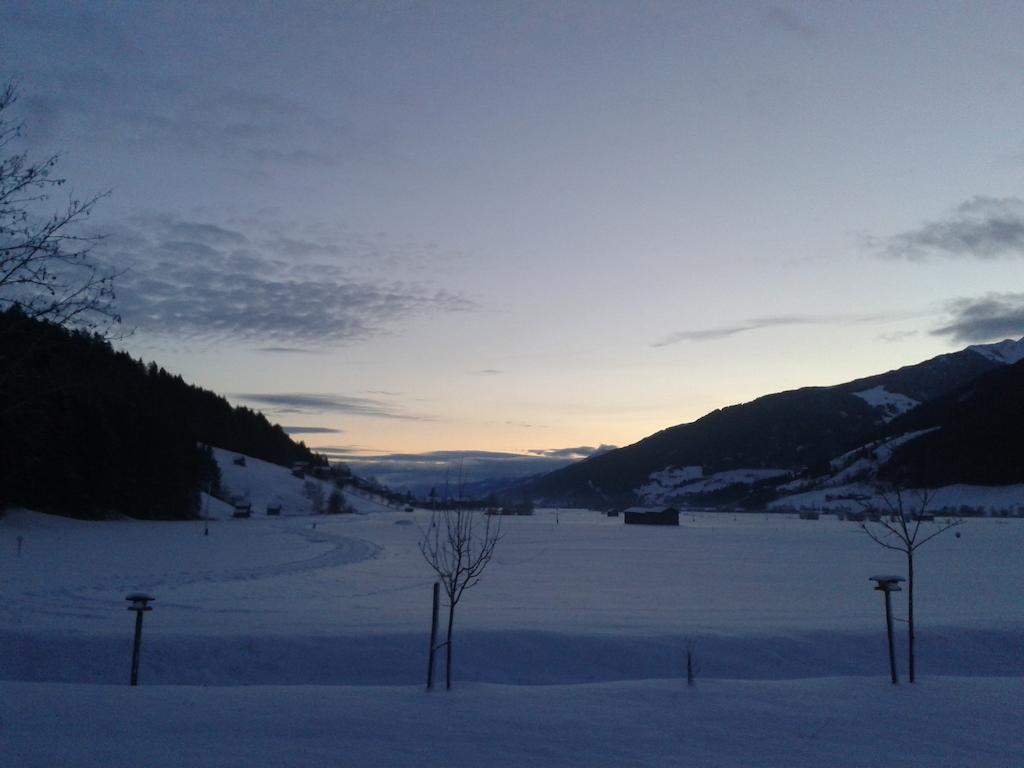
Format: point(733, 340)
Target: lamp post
point(140, 604)
point(887, 585)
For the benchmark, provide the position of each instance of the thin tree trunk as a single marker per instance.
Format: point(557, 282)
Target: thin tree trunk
point(433, 638)
point(910, 615)
point(448, 649)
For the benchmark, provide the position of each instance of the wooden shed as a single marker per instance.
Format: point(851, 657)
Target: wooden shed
point(652, 516)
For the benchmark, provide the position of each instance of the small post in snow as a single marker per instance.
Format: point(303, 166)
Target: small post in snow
point(20, 539)
point(887, 585)
point(140, 604)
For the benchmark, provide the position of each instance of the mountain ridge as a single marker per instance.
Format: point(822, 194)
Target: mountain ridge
point(797, 431)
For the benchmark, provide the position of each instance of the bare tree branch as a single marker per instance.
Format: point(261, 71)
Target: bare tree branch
point(47, 268)
point(458, 547)
point(903, 535)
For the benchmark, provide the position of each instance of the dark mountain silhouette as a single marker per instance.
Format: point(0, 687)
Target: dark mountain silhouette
point(980, 435)
point(90, 432)
point(799, 430)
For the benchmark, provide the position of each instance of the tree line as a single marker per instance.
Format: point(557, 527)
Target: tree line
point(91, 432)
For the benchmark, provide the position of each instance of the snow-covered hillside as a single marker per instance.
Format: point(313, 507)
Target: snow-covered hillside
point(264, 485)
point(889, 404)
point(1007, 351)
point(675, 484)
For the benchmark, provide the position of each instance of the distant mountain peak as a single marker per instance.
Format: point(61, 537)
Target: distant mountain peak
point(1007, 351)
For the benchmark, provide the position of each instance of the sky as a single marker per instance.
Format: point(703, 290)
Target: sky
point(531, 230)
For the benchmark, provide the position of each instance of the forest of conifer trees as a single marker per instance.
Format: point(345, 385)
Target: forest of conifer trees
point(90, 432)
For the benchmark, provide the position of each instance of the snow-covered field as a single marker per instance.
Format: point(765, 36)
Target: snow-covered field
point(301, 641)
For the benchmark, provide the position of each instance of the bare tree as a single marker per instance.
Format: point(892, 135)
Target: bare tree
point(898, 527)
point(458, 546)
point(47, 269)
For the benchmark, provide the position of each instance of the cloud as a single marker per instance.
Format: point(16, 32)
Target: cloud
point(787, 21)
point(191, 279)
point(311, 430)
point(288, 350)
point(896, 336)
point(707, 334)
point(991, 318)
point(758, 323)
point(579, 452)
point(344, 452)
point(85, 72)
point(444, 458)
point(298, 402)
point(489, 371)
point(419, 472)
point(980, 228)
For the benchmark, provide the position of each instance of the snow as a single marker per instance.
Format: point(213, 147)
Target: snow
point(667, 484)
point(891, 404)
point(1007, 351)
point(834, 722)
point(948, 499)
point(264, 484)
point(862, 463)
point(677, 475)
point(300, 641)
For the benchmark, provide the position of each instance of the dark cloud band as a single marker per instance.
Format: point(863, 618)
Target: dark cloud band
point(980, 228)
point(990, 318)
point(198, 280)
point(298, 402)
point(758, 323)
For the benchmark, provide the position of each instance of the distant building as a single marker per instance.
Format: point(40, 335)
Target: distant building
point(652, 516)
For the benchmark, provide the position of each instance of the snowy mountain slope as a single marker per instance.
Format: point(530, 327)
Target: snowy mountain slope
point(263, 484)
point(890, 404)
point(955, 499)
point(968, 443)
point(1007, 351)
point(979, 436)
point(865, 462)
point(668, 486)
point(799, 431)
